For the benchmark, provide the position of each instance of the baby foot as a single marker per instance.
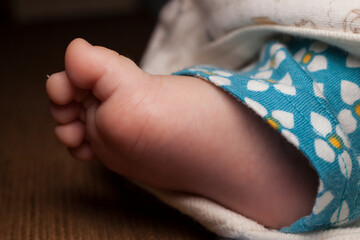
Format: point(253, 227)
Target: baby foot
point(178, 133)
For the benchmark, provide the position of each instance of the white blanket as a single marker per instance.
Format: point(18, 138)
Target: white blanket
point(229, 34)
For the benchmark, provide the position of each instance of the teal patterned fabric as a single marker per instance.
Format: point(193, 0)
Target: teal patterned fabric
point(310, 93)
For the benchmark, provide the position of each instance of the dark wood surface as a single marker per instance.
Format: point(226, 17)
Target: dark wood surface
point(44, 193)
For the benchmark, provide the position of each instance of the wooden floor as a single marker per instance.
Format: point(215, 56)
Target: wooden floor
point(44, 194)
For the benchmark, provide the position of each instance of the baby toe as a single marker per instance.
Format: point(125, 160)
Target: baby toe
point(82, 153)
point(59, 89)
point(65, 113)
point(71, 134)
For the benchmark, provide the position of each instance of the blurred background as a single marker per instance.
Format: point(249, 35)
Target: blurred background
point(113, 23)
point(43, 10)
point(44, 193)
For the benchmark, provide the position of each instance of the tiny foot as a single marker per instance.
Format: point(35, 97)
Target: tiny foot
point(178, 133)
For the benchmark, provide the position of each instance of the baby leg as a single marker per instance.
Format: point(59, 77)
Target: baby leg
point(178, 133)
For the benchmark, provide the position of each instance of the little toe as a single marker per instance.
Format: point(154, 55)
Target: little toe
point(65, 113)
point(71, 134)
point(59, 89)
point(83, 152)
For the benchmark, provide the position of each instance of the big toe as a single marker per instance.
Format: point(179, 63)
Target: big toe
point(97, 68)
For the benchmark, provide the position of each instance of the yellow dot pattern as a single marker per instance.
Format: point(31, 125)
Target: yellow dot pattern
point(209, 73)
point(272, 64)
point(273, 122)
point(271, 81)
point(336, 141)
point(306, 59)
point(357, 109)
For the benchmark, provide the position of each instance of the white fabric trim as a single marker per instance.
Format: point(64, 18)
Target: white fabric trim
point(229, 224)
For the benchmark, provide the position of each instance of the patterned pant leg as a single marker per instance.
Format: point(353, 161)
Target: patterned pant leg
point(310, 93)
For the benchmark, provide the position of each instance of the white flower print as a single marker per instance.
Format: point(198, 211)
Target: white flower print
point(352, 61)
point(350, 94)
point(341, 214)
point(311, 58)
point(345, 163)
point(328, 150)
point(263, 74)
point(218, 77)
point(219, 81)
point(277, 56)
point(278, 119)
point(333, 145)
point(322, 202)
point(263, 81)
point(347, 121)
point(318, 89)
